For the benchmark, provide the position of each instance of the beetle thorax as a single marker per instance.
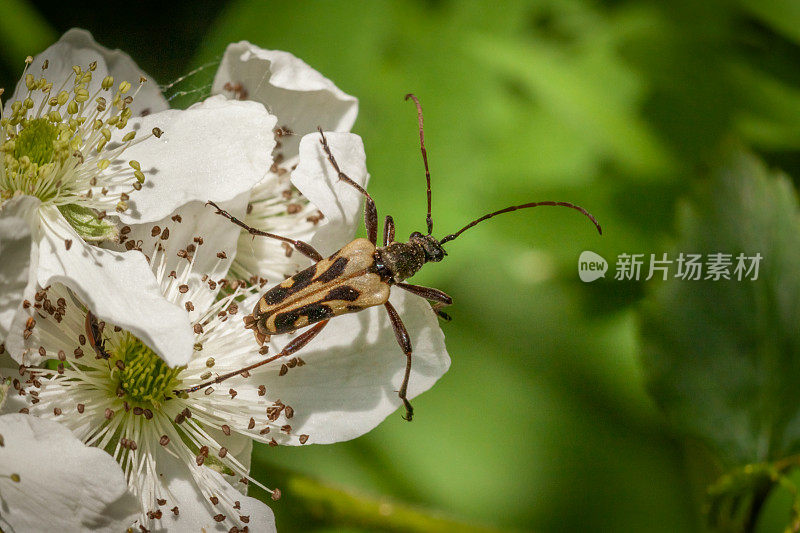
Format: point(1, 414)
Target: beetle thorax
point(401, 260)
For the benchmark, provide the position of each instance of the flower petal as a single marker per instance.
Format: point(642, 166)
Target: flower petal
point(77, 47)
point(195, 511)
point(117, 287)
point(298, 95)
point(276, 207)
point(18, 250)
point(316, 178)
point(239, 446)
point(215, 150)
point(354, 368)
point(64, 485)
point(197, 245)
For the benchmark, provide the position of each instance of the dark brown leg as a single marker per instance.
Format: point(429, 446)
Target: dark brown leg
point(439, 298)
point(294, 345)
point(405, 344)
point(388, 230)
point(429, 293)
point(437, 308)
point(370, 212)
point(301, 246)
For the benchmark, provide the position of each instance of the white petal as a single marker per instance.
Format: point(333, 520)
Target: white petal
point(18, 250)
point(215, 150)
point(298, 95)
point(118, 287)
point(64, 485)
point(354, 368)
point(271, 201)
point(77, 47)
point(217, 234)
point(195, 511)
point(123, 68)
point(318, 181)
point(239, 446)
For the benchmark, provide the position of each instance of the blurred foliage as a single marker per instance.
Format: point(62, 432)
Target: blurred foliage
point(722, 357)
point(543, 422)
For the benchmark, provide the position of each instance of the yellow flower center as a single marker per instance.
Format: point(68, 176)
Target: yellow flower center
point(143, 376)
point(35, 142)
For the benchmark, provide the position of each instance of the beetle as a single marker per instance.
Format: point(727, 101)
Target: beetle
point(94, 334)
point(93, 329)
point(358, 276)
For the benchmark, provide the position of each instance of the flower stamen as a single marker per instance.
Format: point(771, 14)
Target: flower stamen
point(143, 376)
point(65, 152)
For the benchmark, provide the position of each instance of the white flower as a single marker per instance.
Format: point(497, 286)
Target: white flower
point(175, 450)
point(78, 160)
point(114, 392)
point(118, 394)
point(50, 481)
point(302, 100)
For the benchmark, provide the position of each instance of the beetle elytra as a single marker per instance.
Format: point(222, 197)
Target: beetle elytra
point(358, 276)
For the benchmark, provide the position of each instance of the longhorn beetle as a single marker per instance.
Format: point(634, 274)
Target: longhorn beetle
point(94, 333)
point(93, 328)
point(358, 276)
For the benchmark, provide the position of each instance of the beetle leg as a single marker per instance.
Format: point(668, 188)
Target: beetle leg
point(440, 299)
point(301, 246)
point(294, 345)
point(405, 344)
point(388, 230)
point(437, 308)
point(429, 293)
point(370, 212)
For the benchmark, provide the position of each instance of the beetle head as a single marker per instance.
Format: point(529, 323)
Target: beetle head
point(433, 249)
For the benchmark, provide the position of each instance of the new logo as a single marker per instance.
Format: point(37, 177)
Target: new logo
point(591, 266)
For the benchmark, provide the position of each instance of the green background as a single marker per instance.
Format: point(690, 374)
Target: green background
point(543, 422)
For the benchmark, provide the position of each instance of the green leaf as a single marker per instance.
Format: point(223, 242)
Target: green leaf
point(592, 93)
point(723, 357)
point(769, 119)
point(86, 223)
point(783, 16)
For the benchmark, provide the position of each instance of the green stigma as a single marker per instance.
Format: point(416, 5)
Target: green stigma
point(36, 141)
point(144, 377)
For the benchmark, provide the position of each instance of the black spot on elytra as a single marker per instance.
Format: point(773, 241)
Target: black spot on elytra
point(333, 271)
point(316, 312)
point(300, 281)
point(342, 292)
point(276, 295)
point(303, 279)
point(285, 321)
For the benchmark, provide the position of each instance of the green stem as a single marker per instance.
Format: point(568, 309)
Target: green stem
point(307, 503)
point(755, 510)
point(344, 507)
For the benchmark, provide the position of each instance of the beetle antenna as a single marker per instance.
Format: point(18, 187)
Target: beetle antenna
point(429, 220)
point(452, 236)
